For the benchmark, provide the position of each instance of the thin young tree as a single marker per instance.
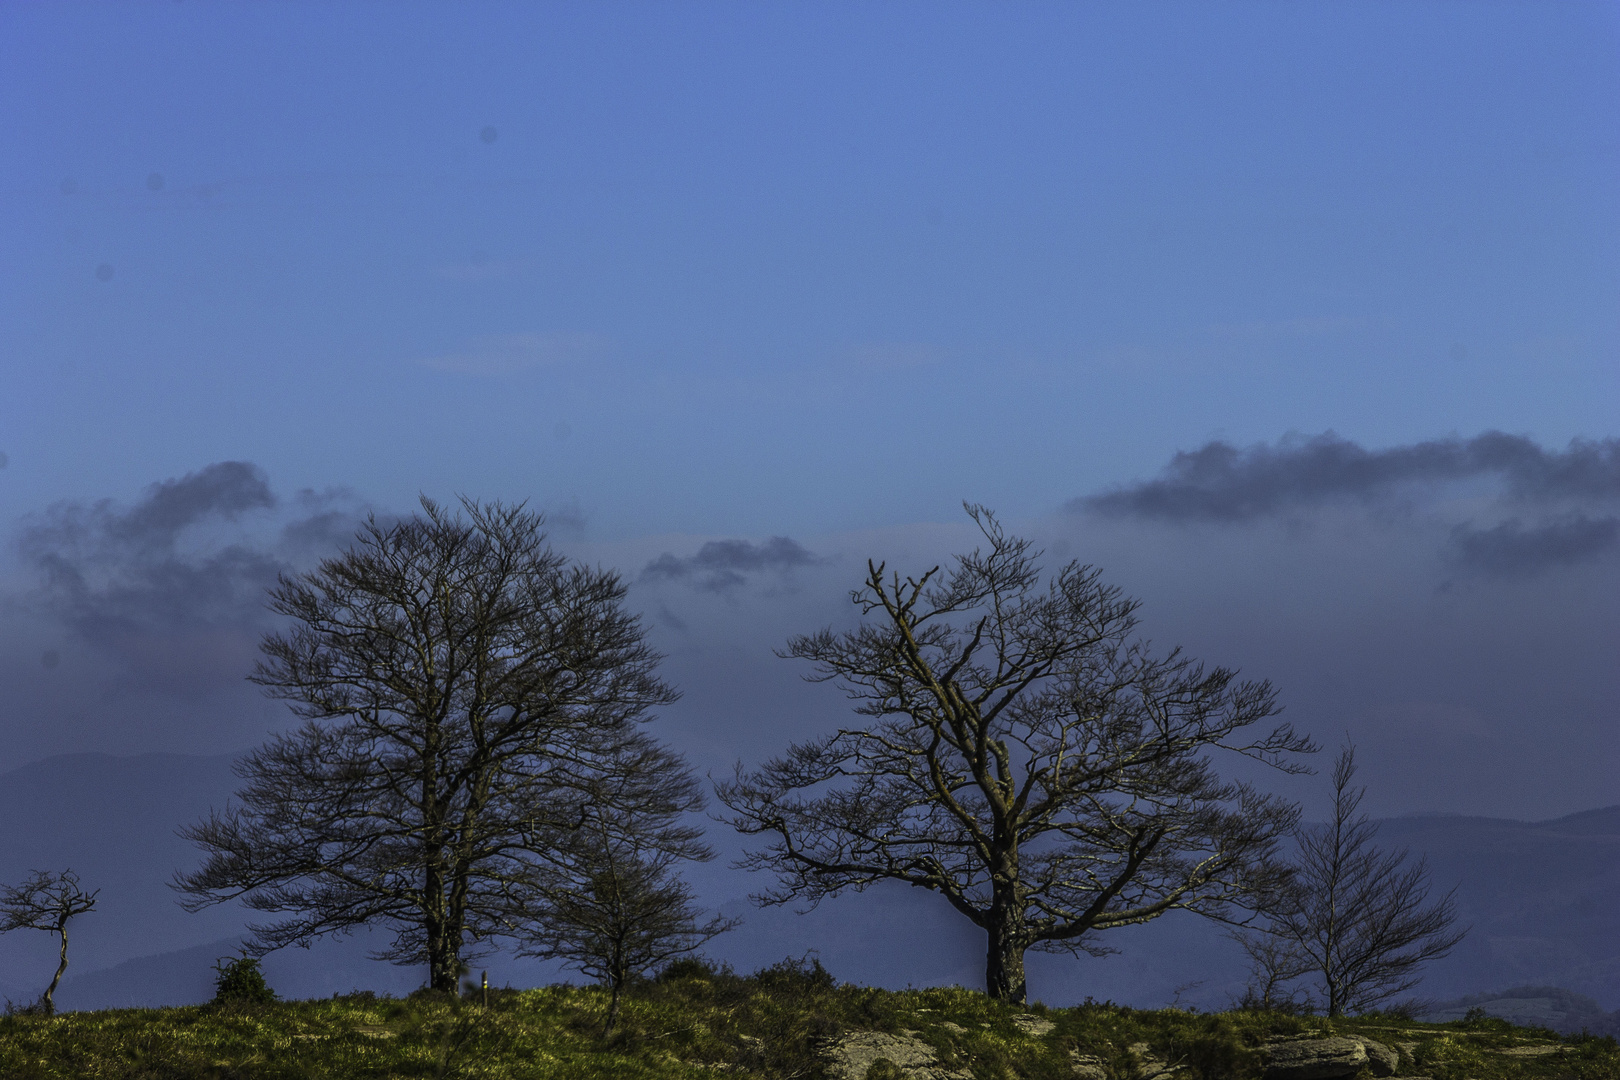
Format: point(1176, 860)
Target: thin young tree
point(614, 907)
point(46, 901)
point(1026, 757)
point(467, 693)
point(1357, 917)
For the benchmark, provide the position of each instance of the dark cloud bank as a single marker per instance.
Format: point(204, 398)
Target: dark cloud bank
point(114, 573)
point(172, 560)
point(141, 619)
point(1541, 507)
point(1451, 603)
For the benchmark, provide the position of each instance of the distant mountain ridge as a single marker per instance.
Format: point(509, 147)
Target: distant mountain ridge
point(1551, 1007)
point(1539, 895)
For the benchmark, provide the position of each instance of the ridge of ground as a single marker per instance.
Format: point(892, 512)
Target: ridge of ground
point(784, 1022)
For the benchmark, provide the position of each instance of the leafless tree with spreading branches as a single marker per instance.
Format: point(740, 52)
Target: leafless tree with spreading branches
point(1027, 758)
point(46, 901)
point(469, 696)
point(1355, 918)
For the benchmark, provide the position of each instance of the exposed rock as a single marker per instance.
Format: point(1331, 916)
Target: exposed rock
point(1030, 1024)
point(851, 1056)
point(1148, 1065)
point(1382, 1060)
point(1533, 1051)
point(1087, 1067)
point(952, 1027)
point(1314, 1059)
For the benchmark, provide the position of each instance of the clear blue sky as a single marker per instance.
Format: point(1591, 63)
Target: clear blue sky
point(743, 268)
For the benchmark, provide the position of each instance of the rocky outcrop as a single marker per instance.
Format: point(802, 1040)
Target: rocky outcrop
point(1149, 1066)
point(1314, 1059)
point(1381, 1060)
point(852, 1056)
point(1088, 1066)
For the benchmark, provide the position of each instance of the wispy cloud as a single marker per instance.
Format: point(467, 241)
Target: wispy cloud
point(503, 354)
point(720, 565)
point(1220, 482)
point(1543, 503)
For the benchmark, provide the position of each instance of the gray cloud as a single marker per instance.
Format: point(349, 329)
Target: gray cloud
point(567, 517)
point(1513, 547)
point(1220, 482)
point(1536, 502)
point(224, 490)
point(725, 564)
point(173, 586)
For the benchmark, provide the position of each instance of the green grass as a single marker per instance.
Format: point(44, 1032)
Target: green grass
point(713, 1024)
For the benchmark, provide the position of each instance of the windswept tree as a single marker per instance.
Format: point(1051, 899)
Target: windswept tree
point(1026, 757)
point(46, 901)
point(613, 906)
point(1355, 918)
point(469, 696)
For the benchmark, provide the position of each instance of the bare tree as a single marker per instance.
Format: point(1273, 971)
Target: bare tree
point(1355, 917)
point(1027, 758)
point(614, 908)
point(467, 693)
point(46, 901)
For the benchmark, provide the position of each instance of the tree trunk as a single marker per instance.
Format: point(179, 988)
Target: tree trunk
point(613, 1009)
point(1004, 965)
point(444, 962)
point(443, 948)
point(48, 1000)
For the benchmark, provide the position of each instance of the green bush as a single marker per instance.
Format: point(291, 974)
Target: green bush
point(240, 982)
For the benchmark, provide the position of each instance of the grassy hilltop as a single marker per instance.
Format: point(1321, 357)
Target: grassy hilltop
point(778, 1023)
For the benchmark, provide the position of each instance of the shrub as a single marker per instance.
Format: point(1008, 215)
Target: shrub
point(796, 977)
point(689, 967)
point(240, 982)
point(1477, 1019)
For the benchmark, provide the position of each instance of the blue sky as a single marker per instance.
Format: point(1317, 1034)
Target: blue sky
point(733, 268)
point(690, 272)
